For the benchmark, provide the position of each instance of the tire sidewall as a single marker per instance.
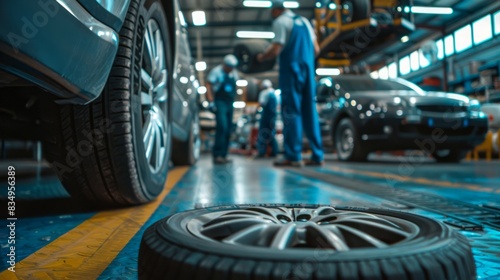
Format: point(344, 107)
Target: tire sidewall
point(152, 184)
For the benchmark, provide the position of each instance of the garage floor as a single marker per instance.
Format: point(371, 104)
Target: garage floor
point(59, 238)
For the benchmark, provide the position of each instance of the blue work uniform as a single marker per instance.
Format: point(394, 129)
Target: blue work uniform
point(267, 125)
point(298, 91)
point(224, 98)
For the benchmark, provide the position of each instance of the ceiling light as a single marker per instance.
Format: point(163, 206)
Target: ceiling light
point(257, 4)
point(201, 66)
point(327, 72)
point(239, 105)
point(202, 90)
point(199, 18)
point(332, 6)
point(291, 4)
point(242, 83)
point(405, 39)
point(255, 34)
point(431, 10)
point(268, 4)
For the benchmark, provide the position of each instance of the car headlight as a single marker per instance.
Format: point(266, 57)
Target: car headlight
point(475, 106)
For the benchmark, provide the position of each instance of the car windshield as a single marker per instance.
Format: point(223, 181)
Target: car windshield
point(369, 84)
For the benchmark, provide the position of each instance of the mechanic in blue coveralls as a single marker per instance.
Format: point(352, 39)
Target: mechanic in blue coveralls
point(295, 43)
point(267, 125)
point(221, 90)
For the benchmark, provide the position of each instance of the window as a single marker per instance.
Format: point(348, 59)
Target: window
point(449, 47)
point(383, 73)
point(404, 65)
point(463, 38)
point(482, 30)
point(440, 47)
point(496, 18)
point(415, 61)
point(393, 70)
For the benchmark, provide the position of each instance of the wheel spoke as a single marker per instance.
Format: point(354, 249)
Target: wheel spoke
point(326, 238)
point(284, 237)
point(146, 79)
point(150, 142)
point(160, 88)
point(359, 238)
point(159, 50)
point(246, 235)
point(146, 99)
point(150, 49)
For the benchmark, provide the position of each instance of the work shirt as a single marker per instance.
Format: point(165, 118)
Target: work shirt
point(217, 76)
point(264, 96)
point(282, 27)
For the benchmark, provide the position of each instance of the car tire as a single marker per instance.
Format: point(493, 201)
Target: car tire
point(449, 155)
point(188, 152)
point(348, 143)
point(247, 50)
point(115, 151)
point(358, 10)
point(302, 242)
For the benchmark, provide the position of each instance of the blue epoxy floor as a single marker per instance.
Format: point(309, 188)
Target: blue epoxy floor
point(48, 212)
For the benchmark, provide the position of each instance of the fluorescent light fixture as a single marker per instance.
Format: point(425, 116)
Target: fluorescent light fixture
point(291, 4)
point(202, 90)
point(239, 91)
point(201, 66)
point(257, 4)
point(239, 105)
point(268, 4)
point(431, 10)
point(199, 18)
point(255, 34)
point(405, 39)
point(327, 71)
point(242, 83)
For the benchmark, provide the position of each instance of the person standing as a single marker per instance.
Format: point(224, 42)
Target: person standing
point(221, 90)
point(267, 125)
point(295, 44)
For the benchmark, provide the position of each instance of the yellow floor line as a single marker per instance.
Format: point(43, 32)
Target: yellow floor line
point(86, 251)
point(423, 181)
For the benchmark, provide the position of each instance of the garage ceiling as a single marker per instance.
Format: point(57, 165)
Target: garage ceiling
point(226, 17)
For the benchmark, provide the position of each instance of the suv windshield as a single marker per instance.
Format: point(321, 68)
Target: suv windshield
point(368, 84)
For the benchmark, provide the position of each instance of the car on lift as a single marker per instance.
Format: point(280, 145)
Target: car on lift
point(107, 86)
point(364, 114)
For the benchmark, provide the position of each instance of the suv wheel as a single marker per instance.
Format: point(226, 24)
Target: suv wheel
point(116, 150)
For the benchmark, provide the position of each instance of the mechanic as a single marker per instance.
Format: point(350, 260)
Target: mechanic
point(267, 126)
point(221, 90)
point(295, 43)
